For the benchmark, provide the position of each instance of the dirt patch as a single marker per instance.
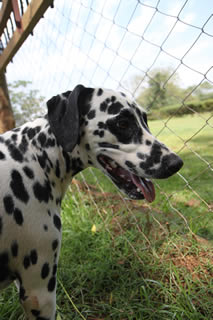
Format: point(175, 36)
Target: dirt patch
point(198, 264)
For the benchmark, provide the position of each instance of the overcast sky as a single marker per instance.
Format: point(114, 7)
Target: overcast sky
point(107, 43)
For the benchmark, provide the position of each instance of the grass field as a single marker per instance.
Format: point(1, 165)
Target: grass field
point(127, 260)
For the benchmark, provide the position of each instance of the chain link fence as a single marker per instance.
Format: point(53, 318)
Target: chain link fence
point(120, 44)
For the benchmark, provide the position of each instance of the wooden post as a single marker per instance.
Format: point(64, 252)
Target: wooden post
point(7, 121)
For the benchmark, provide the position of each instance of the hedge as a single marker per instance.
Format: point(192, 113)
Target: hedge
point(180, 110)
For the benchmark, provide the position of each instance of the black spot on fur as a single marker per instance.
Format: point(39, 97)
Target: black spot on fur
point(156, 153)
point(54, 269)
point(18, 216)
point(57, 169)
point(115, 108)
point(31, 133)
point(96, 132)
point(8, 204)
point(29, 172)
point(140, 155)
point(43, 192)
point(25, 130)
point(42, 160)
point(26, 262)
point(129, 164)
point(42, 139)
point(4, 270)
point(102, 125)
point(154, 158)
point(37, 129)
point(55, 244)
point(45, 270)
point(18, 187)
point(99, 133)
point(57, 222)
point(2, 156)
point(87, 146)
point(100, 92)
point(45, 227)
point(91, 114)
point(14, 249)
point(23, 146)
point(15, 153)
point(145, 165)
point(33, 256)
point(103, 106)
point(50, 143)
point(51, 284)
point(14, 137)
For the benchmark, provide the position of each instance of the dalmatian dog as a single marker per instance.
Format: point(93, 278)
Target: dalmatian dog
point(84, 127)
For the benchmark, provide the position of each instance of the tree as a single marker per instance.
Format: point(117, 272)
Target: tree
point(6, 115)
point(26, 102)
point(203, 92)
point(160, 90)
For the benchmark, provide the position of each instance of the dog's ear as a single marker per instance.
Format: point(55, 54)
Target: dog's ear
point(63, 116)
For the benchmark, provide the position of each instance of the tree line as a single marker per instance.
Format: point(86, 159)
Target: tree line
point(158, 93)
point(160, 90)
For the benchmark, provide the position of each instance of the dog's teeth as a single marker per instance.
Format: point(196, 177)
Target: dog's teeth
point(109, 168)
point(113, 164)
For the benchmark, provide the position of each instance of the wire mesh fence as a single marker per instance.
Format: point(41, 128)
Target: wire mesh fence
point(120, 45)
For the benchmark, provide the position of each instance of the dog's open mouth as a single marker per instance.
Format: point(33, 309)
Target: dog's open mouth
point(134, 186)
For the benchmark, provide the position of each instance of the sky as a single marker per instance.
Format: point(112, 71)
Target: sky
point(108, 43)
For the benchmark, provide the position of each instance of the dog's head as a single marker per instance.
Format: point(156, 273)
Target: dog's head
point(114, 132)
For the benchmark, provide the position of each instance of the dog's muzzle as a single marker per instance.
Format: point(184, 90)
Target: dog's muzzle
point(135, 186)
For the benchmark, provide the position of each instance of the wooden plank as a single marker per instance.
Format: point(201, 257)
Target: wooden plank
point(32, 15)
point(4, 14)
point(16, 14)
point(7, 121)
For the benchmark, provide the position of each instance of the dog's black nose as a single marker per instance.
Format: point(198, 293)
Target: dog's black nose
point(174, 163)
point(170, 164)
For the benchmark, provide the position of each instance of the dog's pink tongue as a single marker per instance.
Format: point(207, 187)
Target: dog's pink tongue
point(146, 186)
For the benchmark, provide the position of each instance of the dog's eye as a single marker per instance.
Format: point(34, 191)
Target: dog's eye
point(123, 124)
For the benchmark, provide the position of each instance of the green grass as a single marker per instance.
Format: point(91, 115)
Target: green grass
point(127, 260)
point(192, 196)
